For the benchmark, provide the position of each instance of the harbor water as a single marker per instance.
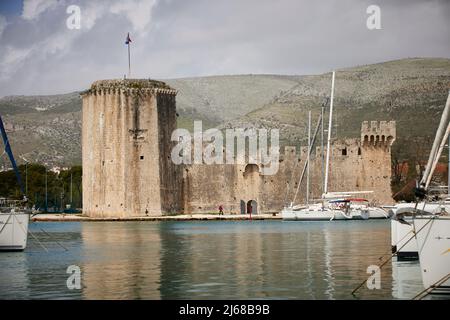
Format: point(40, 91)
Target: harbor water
point(206, 260)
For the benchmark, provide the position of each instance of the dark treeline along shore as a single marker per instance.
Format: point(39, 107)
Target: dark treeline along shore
point(45, 189)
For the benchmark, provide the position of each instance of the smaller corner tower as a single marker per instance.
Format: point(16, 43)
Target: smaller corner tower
point(374, 133)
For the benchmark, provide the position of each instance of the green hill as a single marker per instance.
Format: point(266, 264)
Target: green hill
point(410, 91)
point(413, 92)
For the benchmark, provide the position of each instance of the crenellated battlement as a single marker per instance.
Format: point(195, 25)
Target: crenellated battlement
point(129, 87)
point(378, 133)
point(373, 133)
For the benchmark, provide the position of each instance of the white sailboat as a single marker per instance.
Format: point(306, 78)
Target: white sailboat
point(431, 225)
point(14, 217)
point(343, 209)
point(13, 226)
point(333, 205)
point(432, 231)
point(434, 250)
point(402, 226)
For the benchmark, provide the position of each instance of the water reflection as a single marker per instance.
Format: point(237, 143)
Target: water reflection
point(40, 271)
point(207, 260)
point(407, 279)
point(121, 261)
point(273, 260)
point(13, 276)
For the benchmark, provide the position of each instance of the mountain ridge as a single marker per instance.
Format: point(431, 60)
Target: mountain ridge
point(47, 128)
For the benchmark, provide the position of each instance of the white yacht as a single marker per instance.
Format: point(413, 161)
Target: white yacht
point(432, 229)
point(14, 216)
point(333, 205)
point(402, 227)
point(433, 243)
point(337, 209)
point(13, 226)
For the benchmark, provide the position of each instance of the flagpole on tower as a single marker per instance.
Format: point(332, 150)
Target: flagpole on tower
point(129, 63)
point(127, 42)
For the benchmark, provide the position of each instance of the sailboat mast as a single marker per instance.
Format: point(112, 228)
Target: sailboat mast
point(325, 187)
point(11, 157)
point(439, 152)
point(313, 140)
point(435, 150)
point(46, 191)
point(71, 200)
point(321, 148)
point(309, 157)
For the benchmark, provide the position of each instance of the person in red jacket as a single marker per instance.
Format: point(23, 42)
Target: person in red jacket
point(220, 210)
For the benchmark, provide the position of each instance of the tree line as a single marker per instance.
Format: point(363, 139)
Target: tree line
point(45, 189)
point(406, 170)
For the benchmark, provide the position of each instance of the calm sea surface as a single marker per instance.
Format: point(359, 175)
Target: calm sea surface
point(206, 260)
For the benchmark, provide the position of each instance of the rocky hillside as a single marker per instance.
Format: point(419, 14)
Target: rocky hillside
point(47, 129)
point(411, 91)
point(219, 98)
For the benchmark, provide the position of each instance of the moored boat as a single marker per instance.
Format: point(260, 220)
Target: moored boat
point(339, 209)
point(333, 205)
point(402, 227)
point(432, 229)
point(13, 226)
point(14, 216)
point(433, 242)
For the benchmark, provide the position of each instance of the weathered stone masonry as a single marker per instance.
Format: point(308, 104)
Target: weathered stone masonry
point(127, 169)
point(355, 166)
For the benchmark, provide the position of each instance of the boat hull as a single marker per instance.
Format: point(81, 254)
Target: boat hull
point(313, 215)
point(324, 215)
point(377, 213)
point(401, 233)
point(13, 231)
point(433, 243)
point(401, 241)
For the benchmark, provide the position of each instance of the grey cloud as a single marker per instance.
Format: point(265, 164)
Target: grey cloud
point(199, 37)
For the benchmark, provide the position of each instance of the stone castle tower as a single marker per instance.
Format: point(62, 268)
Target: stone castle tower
point(365, 163)
point(128, 170)
point(126, 146)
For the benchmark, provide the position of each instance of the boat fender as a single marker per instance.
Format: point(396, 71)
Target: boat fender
point(365, 214)
point(347, 214)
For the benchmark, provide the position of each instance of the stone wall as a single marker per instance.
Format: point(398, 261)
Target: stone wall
point(127, 170)
point(354, 166)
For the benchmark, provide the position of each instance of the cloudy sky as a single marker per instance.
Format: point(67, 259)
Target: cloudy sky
point(39, 54)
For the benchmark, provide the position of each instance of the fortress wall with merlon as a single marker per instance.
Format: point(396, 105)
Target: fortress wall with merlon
point(354, 167)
